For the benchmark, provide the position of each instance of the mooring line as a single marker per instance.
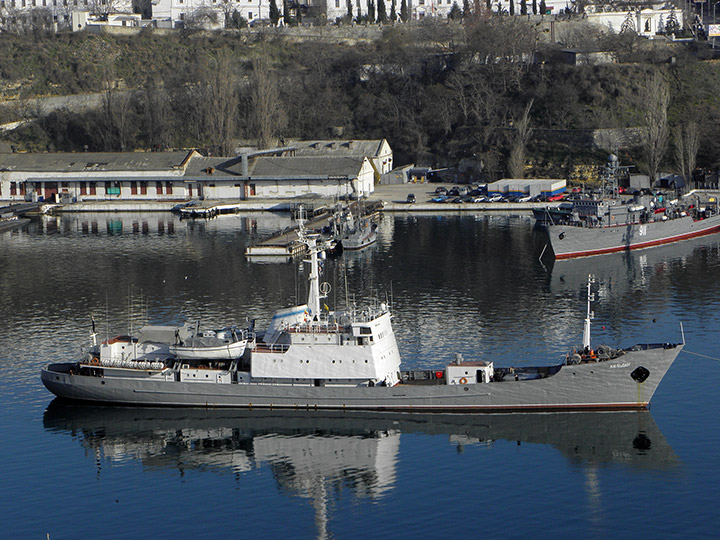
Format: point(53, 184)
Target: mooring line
point(703, 355)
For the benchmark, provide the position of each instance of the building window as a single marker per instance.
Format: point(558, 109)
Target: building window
point(143, 188)
point(337, 3)
point(83, 188)
point(133, 188)
point(93, 188)
point(168, 188)
point(249, 15)
point(13, 188)
point(158, 188)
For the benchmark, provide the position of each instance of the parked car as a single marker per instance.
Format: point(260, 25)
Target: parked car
point(526, 198)
point(558, 197)
point(439, 199)
point(440, 190)
point(410, 198)
point(462, 191)
point(496, 198)
point(479, 198)
point(453, 192)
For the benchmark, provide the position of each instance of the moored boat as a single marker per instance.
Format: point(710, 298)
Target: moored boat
point(589, 226)
point(361, 234)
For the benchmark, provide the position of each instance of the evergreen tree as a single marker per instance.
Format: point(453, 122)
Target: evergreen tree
point(404, 14)
point(382, 17)
point(466, 9)
point(286, 12)
point(455, 13)
point(371, 11)
point(512, 7)
point(535, 8)
point(274, 12)
point(672, 26)
point(543, 7)
point(393, 12)
point(628, 25)
point(350, 11)
point(523, 7)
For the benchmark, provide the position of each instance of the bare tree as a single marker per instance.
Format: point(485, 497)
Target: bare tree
point(157, 113)
point(655, 101)
point(268, 116)
point(104, 7)
point(220, 102)
point(519, 139)
point(114, 117)
point(687, 143)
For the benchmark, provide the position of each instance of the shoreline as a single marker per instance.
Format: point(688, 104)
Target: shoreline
point(393, 198)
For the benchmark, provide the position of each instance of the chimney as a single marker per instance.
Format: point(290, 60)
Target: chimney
point(244, 165)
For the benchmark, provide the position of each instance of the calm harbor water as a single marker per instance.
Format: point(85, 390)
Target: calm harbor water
point(471, 284)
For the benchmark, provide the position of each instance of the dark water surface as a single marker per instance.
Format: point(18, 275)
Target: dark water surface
point(468, 284)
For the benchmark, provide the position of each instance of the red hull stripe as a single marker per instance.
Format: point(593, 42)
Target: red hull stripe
point(642, 245)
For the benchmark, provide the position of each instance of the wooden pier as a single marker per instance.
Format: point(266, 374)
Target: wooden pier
point(286, 243)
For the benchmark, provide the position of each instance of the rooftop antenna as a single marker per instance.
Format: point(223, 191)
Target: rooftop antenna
point(590, 314)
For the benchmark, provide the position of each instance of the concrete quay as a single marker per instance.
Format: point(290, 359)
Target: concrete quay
point(393, 197)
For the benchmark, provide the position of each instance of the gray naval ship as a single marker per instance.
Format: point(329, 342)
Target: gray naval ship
point(316, 359)
point(589, 226)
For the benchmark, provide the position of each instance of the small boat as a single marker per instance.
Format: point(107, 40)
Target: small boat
point(360, 234)
point(225, 344)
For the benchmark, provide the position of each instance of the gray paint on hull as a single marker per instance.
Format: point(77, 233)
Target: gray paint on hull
point(579, 241)
point(594, 385)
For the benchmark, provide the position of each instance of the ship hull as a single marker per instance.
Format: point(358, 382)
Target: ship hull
point(598, 385)
point(569, 241)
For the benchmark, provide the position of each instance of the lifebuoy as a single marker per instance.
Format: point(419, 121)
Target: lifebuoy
point(463, 380)
point(94, 361)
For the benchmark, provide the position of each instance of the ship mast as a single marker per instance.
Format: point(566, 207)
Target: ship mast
point(590, 314)
point(311, 242)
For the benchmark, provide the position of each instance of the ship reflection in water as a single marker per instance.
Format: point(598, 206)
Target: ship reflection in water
point(313, 456)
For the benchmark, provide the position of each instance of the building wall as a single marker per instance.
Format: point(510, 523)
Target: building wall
point(105, 186)
point(62, 10)
point(647, 21)
point(180, 10)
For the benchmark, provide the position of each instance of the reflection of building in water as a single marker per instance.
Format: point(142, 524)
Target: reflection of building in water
point(159, 223)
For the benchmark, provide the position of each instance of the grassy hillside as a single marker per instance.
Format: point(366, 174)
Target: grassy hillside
point(440, 93)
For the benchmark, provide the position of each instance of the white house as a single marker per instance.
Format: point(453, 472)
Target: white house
point(378, 151)
point(94, 176)
point(87, 176)
point(247, 177)
point(645, 22)
point(180, 11)
point(61, 11)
